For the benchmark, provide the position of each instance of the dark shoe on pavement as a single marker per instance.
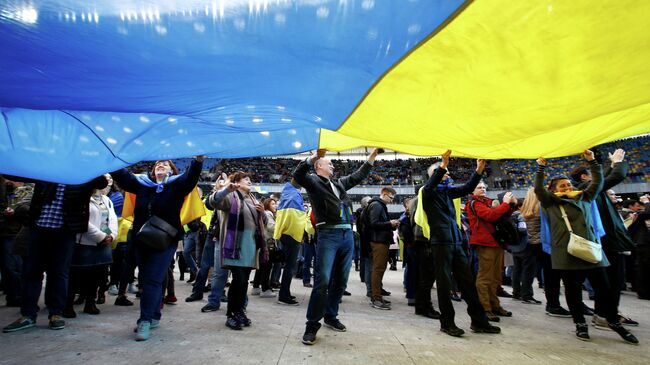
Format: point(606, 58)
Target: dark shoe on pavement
point(586, 310)
point(502, 312)
point(101, 299)
point(233, 324)
point(492, 317)
point(56, 323)
point(452, 331)
point(626, 321)
point(346, 293)
point(430, 313)
point(309, 337)
point(242, 319)
point(335, 324)
point(170, 299)
point(207, 288)
point(582, 332)
point(384, 293)
point(20, 324)
point(503, 294)
point(91, 308)
point(194, 297)
point(558, 312)
point(487, 328)
point(123, 301)
point(192, 278)
point(379, 304)
point(80, 300)
point(455, 297)
point(307, 285)
point(530, 300)
point(624, 333)
point(68, 312)
point(288, 301)
point(209, 308)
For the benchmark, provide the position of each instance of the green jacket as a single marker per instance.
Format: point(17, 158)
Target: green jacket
point(579, 213)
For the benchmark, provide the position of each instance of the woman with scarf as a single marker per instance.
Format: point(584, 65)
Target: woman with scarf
point(242, 233)
point(560, 197)
point(159, 195)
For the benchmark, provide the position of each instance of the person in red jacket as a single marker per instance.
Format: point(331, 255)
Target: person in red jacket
point(481, 214)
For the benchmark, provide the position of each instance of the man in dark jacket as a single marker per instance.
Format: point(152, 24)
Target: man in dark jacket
point(335, 243)
point(616, 242)
point(57, 213)
point(445, 238)
point(381, 237)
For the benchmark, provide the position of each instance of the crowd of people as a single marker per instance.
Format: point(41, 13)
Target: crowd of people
point(97, 238)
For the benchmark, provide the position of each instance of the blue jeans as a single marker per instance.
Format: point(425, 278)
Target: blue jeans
point(334, 251)
point(189, 245)
point(152, 265)
point(219, 277)
point(12, 267)
point(290, 248)
point(367, 275)
point(50, 251)
point(207, 261)
point(308, 255)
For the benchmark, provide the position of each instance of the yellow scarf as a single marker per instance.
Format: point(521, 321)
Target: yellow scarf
point(569, 194)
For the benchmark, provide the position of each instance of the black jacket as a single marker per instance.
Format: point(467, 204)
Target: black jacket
point(167, 204)
point(439, 207)
point(327, 208)
point(76, 200)
point(616, 238)
point(379, 225)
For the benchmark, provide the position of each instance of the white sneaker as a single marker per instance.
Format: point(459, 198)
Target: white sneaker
point(112, 290)
point(600, 323)
point(133, 289)
point(267, 294)
point(256, 291)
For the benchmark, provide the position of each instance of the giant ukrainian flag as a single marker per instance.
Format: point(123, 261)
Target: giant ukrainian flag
point(89, 87)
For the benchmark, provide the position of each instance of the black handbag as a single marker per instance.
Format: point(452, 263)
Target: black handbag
point(156, 233)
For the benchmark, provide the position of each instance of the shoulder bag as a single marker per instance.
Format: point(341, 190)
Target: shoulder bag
point(581, 247)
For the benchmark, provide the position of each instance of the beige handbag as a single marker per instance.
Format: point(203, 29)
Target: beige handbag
point(581, 247)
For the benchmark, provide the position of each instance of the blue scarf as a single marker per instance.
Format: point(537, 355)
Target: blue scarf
point(444, 184)
point(146, 181)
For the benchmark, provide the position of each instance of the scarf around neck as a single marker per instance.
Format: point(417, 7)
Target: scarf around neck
point(146, 181)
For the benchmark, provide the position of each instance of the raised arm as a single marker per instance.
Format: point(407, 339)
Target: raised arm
point(357, 177)
point(126, 180)
point(468, 187)
point(301, 173)
point(188, 180)
point(544, 196)
point(618, 171)
point(596, 184)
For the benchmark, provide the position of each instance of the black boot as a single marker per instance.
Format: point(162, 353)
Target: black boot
point(90, 307)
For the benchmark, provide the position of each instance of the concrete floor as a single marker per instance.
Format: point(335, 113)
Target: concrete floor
point(187, 336)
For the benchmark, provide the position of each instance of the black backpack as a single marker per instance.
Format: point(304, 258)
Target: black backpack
point(505, 230)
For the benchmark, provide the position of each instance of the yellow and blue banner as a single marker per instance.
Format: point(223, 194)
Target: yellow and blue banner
point(290, 218)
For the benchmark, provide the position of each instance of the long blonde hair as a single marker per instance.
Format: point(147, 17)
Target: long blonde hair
point(530, 208)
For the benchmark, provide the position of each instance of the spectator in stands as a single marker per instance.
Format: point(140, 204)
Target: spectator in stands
point(561, 203)
point(58, 212)
point(242, 239)
point(436, 214)
point(616, 242)
point(159, 195)
point(481, 216)
point(335, 243)
point(381, 229)
point(640, 232)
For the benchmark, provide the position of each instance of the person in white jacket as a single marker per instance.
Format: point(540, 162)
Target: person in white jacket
point(92, 254)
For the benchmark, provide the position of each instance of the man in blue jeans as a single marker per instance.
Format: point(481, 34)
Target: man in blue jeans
point(335, 242)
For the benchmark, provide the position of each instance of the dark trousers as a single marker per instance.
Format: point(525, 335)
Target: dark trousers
point(426, 276)
point(237, 291)
point(119, 263)
point(12, 267)
point(448, 259)
point(153, 266)
point(308, 256)
point(411, 272)
point(291, 248)
point(615, 274)
point(128, 272)
point(85, 280)
point(573, 288)
point(263, 276)
point(49, 251)
point(551, 282)
point(642, 268)
point(523, 273)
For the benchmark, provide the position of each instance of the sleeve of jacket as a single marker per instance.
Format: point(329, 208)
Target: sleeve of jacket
point(615, 175)
point(301, 174)
point(188, 180)
point(544, 196)
point(219, 200)
point(126, 180)
point(596, 184)
point(491, 214)
point(376, 220)
point(434, 179)
point(112, 220)
point(356, 177)
point(465, 189)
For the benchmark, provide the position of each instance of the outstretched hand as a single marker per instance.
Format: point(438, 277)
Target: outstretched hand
point(617, 156)
point(541, 161)
point(445, 159)
point(588, 155)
